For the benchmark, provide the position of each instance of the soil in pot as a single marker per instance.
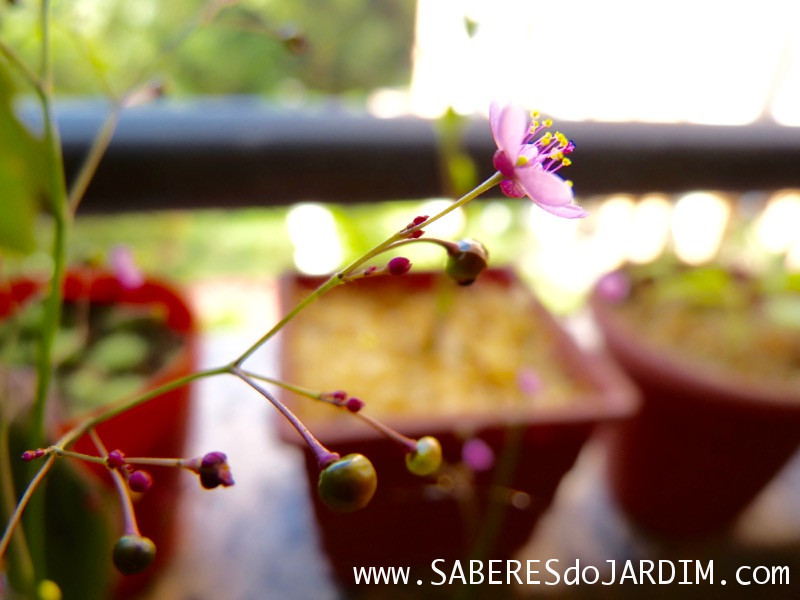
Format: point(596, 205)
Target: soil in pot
point(484, 369)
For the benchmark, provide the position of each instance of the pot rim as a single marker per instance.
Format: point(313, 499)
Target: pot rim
point(710, 386)
point(101, 286)
point(609, 396)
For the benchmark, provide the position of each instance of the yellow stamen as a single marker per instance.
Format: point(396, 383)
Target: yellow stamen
point(568, 182)
point(546, 138)
point(521, 161)
point(534, 114)
point(548, 122)
point(566, 162)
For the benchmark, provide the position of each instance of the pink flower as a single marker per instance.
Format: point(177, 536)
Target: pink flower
point(124, 267)
point(528, 164)
point(477, 455)
point(614, 286)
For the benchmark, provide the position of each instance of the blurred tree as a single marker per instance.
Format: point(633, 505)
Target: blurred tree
point(222, 46)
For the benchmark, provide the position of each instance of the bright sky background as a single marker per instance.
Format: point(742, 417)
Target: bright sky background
point(683, 61)
point(697, 61)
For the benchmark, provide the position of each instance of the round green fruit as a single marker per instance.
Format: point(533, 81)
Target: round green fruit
point(427, 458)
point(133, 554)
point(348, 484)
point(464, 265)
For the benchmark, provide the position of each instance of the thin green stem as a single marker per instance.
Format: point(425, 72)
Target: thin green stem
point(492, 521)
point(23, 503)
point(317, 293)
point(287, 386)
point(93, 158)
point(46, 63)
point(16, 61)
point(103, 139)
point(23, 564)
point(88, 426)
point(156, 462)
point(57, 195)
point(55, 187)
point(406, 442)
point(128, 514)
point(409, 444)
point(101, 460)
point(339, 277)
point(79, 455)
point(206, 15)
point(404, 233)
point(450, 247)
point(127, 404)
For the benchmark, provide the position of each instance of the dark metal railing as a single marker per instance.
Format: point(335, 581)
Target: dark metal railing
point(242, 151)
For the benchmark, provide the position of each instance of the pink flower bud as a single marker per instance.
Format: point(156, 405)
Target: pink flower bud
point(140, 481)
point(115, 459)
point(213, 469)
point(30, 455)
point(399, 265)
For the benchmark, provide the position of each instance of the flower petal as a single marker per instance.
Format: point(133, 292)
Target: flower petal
point(543, 187)
point(509, 125)
point(569, 211)
point(511, 189)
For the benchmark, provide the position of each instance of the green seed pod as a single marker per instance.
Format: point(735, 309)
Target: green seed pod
point(427, 458)
point(464, 265)
point(133, 554)
point(348, 484)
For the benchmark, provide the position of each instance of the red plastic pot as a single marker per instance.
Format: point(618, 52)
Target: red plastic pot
point(412, 520)
point(703, 444)
point(156, 428)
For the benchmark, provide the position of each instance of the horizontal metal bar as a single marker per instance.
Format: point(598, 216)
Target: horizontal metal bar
point(242, 151)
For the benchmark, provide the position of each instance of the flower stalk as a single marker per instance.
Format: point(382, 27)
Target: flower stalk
point(525, 166)
point(323, 455)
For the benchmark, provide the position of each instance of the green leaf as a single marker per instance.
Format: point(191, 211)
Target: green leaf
point(21, 176)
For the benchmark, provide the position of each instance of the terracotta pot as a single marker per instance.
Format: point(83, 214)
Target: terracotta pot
point(703, 444)
point(157, 427)
point(459, 512)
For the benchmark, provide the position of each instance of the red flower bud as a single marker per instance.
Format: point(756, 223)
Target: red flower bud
point(354, 404)
point(417, 220)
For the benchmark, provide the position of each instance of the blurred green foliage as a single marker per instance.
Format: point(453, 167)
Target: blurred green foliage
point(221, 46)
point(188, 246)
